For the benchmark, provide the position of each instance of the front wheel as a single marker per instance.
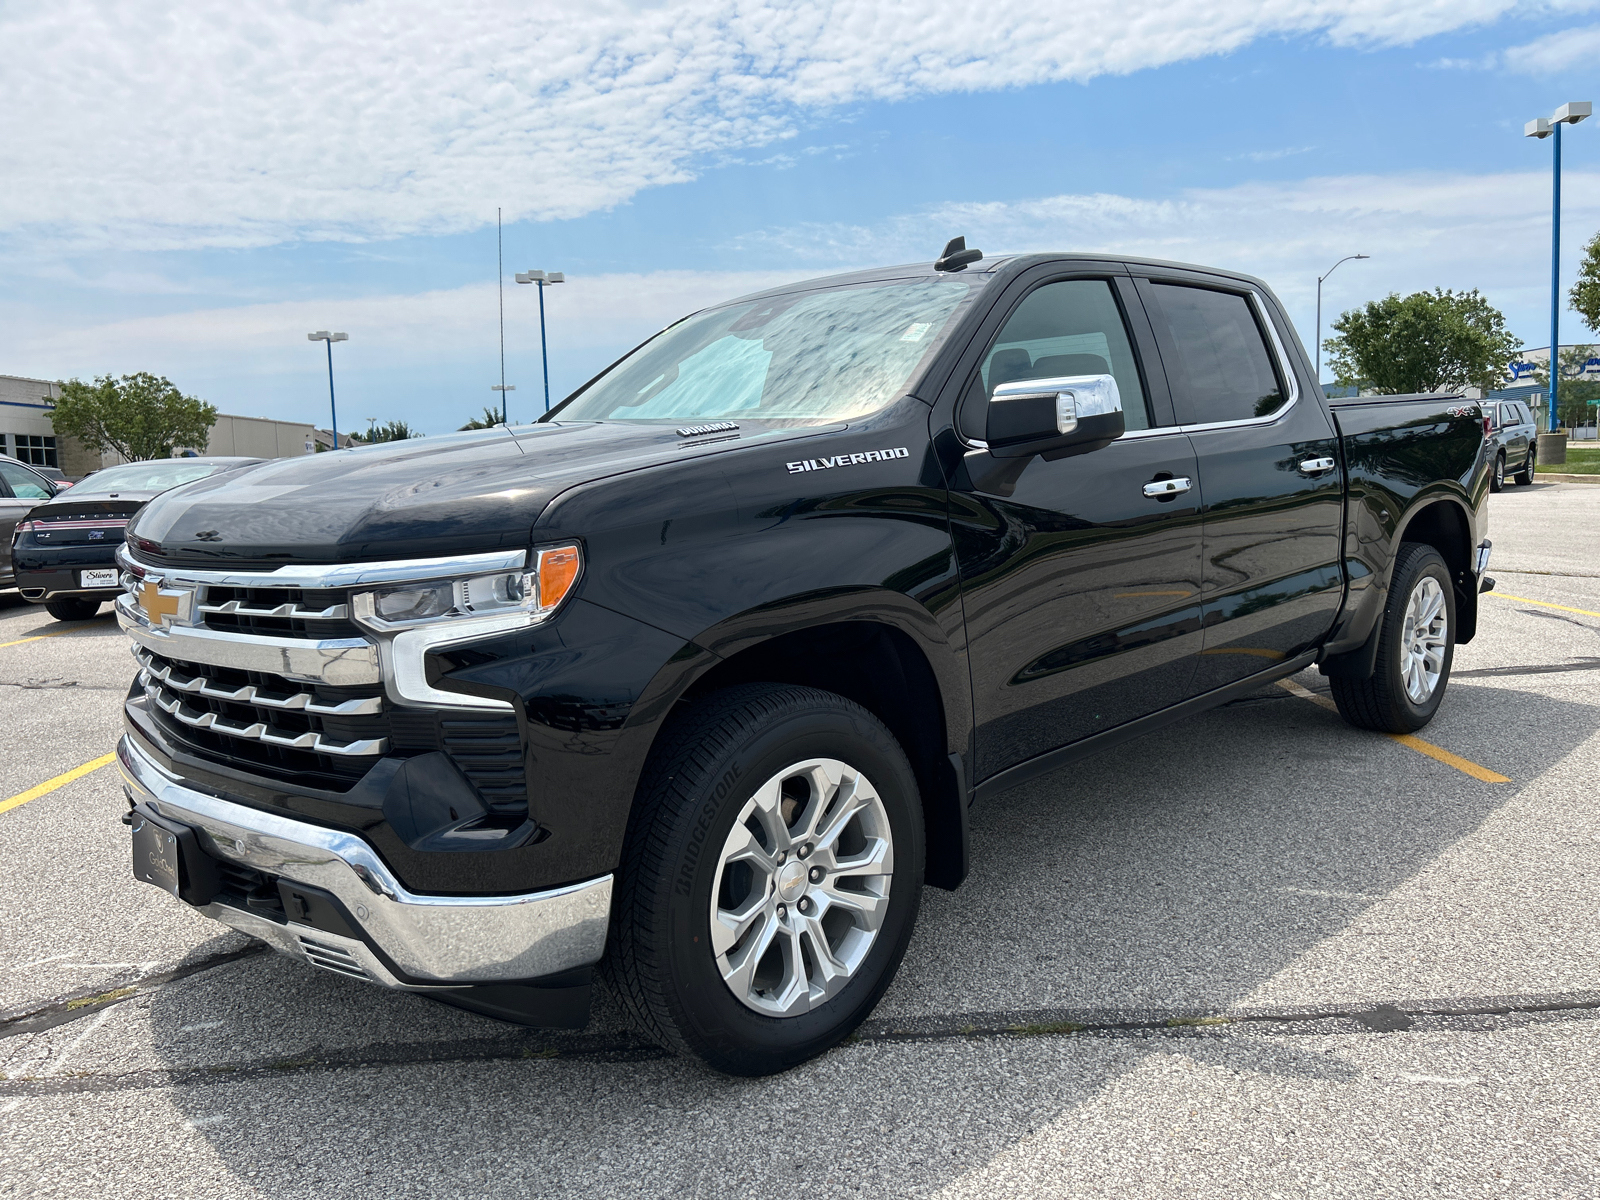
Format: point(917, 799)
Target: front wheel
point(1416, 643)
point(770, 881)
point(1497, 478)
point(1525, 475)
point(71, 608)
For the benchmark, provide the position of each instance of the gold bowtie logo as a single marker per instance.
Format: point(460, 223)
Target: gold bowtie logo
point(156, 604)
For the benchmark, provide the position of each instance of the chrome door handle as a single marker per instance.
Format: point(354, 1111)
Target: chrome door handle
point(1317, 466)
point(1166, 487)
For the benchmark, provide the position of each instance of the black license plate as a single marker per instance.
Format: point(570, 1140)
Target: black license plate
point(166, 854)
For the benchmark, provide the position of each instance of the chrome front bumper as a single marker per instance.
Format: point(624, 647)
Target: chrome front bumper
point(432, 941)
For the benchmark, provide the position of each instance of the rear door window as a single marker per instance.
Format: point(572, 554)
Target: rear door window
point(1224, 369)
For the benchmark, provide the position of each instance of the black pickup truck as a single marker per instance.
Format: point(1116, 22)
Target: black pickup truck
point(694, 681)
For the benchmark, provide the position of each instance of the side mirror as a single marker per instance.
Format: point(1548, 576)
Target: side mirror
point(1075, 413)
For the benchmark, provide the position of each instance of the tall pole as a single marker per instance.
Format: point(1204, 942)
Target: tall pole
point(500, 263)
point(333, 411)
point(1555, 279)
point(544, 351)
point(1320, 278)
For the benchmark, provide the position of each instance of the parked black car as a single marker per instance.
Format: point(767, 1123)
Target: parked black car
point(64, 552)
point(1513, 439)
point(22, 489)
point(696, 679)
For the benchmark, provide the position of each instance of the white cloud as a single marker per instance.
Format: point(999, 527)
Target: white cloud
point(1556, 52)
point(1422, 231)
point(140, 123)
point(601, 315)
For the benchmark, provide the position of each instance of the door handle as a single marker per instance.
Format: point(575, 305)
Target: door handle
point(1316, 466)
point(1163, 488)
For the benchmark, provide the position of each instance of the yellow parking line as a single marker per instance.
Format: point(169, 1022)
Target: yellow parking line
point(1540, 603)
point(50, 785)
point(1410, 740)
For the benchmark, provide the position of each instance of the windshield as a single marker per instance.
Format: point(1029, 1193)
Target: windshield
point(149, 476)
point(807, 356)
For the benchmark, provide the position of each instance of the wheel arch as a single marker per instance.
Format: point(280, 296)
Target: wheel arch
point(1444, 524)
point(883, 651)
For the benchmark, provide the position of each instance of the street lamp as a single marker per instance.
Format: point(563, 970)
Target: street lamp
point(1541, 128)
point(543, 280)
point(503, 388)
point(1320, 278)
point(322, 335)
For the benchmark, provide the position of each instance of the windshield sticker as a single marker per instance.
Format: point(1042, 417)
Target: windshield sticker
point(847, 460)
point(915, 333)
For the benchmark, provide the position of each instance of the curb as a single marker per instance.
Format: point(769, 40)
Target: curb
point(1556, 477)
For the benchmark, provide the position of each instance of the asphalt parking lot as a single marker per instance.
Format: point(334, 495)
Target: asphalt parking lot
point(1257, 954)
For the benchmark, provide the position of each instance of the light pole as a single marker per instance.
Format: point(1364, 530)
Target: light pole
point(1540, 127)
point(1320, 278)
point(322, 335)
point(503, 388)
point(543, 280)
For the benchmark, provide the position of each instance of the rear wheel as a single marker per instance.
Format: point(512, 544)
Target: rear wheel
point(1416, 643)
point(770, 881)
point(1497, 478)
point(1525, 474)
point(71, 608)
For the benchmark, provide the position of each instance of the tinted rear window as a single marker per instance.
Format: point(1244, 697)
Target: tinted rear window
point(1224, 368)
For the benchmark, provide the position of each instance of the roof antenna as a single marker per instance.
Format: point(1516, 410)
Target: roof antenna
point(956, 256)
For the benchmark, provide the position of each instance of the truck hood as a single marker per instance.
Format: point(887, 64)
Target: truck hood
point(458, 494)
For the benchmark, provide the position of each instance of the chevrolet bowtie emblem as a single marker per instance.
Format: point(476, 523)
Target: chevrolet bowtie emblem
point(155, 604)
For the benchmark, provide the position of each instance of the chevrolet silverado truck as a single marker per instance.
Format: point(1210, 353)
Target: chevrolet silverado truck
point(691, 684)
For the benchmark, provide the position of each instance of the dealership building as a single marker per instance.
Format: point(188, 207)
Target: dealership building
point(27, 435)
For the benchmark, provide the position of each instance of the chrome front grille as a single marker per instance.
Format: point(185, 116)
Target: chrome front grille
point(175, 679)
point(257, 731)
point(265, 672)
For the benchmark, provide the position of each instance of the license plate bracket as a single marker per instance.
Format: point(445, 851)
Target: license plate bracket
point(168, 855)
point(106, 578)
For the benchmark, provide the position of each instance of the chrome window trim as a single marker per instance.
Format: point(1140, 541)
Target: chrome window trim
point(440, 940)
point(1291, 380)
point(335, 575)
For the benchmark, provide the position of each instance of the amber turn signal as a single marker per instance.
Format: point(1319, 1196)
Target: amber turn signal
point(557, 570)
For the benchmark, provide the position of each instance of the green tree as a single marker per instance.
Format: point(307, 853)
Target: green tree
point(1585, 294)
point(1425, 342)
point(389, 431)
point(138, 416)
point(1574, 392)
point(490, 418)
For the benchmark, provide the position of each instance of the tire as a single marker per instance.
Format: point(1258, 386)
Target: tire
point(1525, 476)
point(71, 608)
point(1384, 702)
point(1497, 478)
point(721, 997)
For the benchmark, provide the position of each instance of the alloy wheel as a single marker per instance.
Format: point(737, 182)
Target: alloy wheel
point(802, 886)
point(1423, 644)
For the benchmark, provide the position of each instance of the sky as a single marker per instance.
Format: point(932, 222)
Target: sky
point(188, 190)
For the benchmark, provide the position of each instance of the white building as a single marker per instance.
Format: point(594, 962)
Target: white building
point(27, 434)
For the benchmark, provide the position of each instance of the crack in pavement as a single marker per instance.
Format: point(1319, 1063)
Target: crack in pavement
point(87, 1004)
point(1585, 664)
point(1422, 1016)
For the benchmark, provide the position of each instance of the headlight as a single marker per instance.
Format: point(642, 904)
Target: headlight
point(533, 595)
